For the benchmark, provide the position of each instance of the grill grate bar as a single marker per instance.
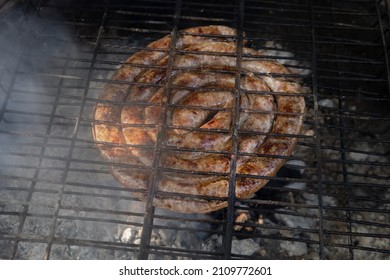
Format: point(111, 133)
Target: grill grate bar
point(383, 41)
point(344, 167)
point(71, 150)
point(175, 252)
point(228, 236)
point(123, 213)
point(323, 147)
point(317, 128)
point(149, 208)
point(253, 201)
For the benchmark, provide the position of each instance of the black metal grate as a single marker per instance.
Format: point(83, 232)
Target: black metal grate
point(58, 200)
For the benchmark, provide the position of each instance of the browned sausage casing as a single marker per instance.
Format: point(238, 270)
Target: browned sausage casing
point(192, 112)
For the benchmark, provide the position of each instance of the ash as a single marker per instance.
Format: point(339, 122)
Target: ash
point(59, 201)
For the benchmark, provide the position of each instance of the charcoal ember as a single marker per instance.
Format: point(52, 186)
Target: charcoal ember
point(131, 235)
point(242, 217)
point(212, 244)
point(246, 247)
point(294, 248)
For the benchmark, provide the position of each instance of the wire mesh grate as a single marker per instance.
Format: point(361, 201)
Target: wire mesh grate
point(58, 199)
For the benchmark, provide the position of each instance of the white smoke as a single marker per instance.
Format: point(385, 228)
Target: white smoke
point(43, 73)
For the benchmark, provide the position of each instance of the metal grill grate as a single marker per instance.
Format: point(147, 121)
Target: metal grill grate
point(58, 200)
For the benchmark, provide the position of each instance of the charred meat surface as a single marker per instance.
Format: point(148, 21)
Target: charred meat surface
point(190, 110)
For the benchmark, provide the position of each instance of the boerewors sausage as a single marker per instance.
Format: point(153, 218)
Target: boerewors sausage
point(187, 103)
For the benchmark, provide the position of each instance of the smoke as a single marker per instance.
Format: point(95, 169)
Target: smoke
point(39, 60)
point(43, 78)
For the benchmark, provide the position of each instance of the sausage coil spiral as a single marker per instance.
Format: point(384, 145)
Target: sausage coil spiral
point(196, 117)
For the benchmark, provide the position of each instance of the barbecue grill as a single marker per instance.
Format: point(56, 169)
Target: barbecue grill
point(58, 199)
